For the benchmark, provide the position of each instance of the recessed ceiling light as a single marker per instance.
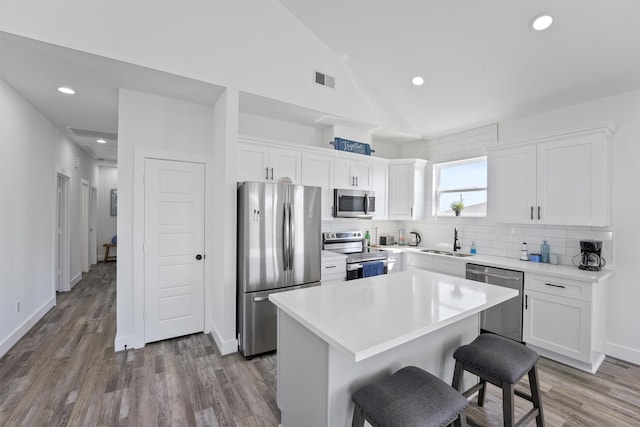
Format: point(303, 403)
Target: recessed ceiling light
point(101, 141)
point(542, 22)
point(66, 90)
point(417, 81)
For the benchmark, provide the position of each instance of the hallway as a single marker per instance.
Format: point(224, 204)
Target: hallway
point(65, 372)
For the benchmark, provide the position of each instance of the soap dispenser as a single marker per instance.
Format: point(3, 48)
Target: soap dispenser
point(524, 252)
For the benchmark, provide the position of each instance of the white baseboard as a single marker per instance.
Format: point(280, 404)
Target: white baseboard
point(21, 330)
point(76, 279)
point(623, 353)
point(123, 343)
point(224, 346)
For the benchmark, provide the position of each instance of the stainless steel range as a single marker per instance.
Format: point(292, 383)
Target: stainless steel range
point(361, 261)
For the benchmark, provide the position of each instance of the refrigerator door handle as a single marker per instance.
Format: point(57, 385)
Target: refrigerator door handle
point(291, 239)
point(285, 237)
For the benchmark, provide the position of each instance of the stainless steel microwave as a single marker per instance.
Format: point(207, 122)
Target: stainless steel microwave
point(353, 203)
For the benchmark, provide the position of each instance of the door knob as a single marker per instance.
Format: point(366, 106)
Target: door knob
point(198, 257)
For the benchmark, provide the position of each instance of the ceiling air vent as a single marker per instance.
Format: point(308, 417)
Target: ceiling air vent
point(94, 134)
point(324, 79)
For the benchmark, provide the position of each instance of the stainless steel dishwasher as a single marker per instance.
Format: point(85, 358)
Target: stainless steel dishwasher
point(504, 319)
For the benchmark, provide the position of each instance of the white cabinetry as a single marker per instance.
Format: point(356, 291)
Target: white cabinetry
point(265, 163)
point(317, 170)
point(406, 189)
point(394, 262)
point(564, 320)
point(353, 173)
point(333, 267)
point(380, 178)
point(413, 260)
point(563, 179)
point(453, 266)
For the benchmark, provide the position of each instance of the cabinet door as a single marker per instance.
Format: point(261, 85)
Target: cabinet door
point(558, 324)
point(253, 163)
point(317, 170)
point(351, 173)
point(450, 265)
point(285, 163)
point(512, 185)
point(571, 185)
point(380, 184)
point(401, 192)
point(363, 172)
point(412, 260)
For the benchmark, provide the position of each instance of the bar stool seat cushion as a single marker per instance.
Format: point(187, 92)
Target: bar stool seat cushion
point(497, 357)
point(410, 397)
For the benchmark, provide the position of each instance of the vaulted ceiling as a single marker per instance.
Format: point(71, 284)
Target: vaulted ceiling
point(480, 60)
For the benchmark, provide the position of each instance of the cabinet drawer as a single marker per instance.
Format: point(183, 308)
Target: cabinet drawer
point(332, 271)
point(556, 286)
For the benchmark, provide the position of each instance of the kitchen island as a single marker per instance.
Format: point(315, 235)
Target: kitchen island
point(334, 338)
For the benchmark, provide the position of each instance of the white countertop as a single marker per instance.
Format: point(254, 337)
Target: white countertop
point(366, 317)
point(559, 271)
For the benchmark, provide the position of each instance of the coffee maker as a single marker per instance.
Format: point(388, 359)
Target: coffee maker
point(591, 255)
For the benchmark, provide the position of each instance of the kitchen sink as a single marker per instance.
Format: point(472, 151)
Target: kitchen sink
point(436, 251)
point(441, 252)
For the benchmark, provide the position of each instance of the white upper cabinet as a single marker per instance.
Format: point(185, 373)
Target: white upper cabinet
point(512, 184)
point(260, 162)
point(317, 170)
point(407, 188)
point(380, 177)
point(353, 173)
point(562, 180)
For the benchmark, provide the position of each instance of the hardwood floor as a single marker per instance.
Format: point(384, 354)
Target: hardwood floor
point(65, 372)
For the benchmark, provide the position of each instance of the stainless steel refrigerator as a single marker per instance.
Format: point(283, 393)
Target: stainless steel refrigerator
point(278, 250)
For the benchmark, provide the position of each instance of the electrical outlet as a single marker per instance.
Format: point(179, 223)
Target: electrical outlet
point(18, 307)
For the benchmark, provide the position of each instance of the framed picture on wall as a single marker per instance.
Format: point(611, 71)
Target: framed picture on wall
point(114, 202)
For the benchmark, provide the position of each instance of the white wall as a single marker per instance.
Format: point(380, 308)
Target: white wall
point(106, 224)
point(33, 151)
point(161, 126)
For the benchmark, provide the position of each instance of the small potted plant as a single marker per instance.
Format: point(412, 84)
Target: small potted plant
point(457, 206)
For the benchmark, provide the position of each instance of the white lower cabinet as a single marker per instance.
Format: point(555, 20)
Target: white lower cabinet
point(438, 263)
point(564, 320)
point(412, 260)
point(333, 267)
point(394, 262)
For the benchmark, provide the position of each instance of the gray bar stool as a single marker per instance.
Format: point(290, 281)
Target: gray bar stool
point(502, 362)
point(411, 397)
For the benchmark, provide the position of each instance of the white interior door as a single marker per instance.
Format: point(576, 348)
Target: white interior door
point(84, 231)
point(63, 263)
point(93, 232)
point(173, 248)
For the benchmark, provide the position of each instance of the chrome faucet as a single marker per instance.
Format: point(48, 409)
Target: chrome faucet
point(456, 243)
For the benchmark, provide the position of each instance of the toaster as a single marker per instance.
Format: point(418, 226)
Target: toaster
point(387, 240)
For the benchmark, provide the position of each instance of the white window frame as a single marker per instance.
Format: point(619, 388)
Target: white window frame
point(437, 192)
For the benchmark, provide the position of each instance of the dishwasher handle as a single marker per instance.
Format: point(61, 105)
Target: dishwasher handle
point(493, 275)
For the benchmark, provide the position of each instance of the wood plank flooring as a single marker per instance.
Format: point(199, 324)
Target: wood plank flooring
point(65, 372)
